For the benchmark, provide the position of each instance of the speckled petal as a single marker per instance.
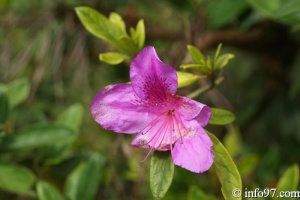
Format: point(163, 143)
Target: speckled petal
point(117, 108)
point(194, 152)
point(150, 77)
point(190, 109)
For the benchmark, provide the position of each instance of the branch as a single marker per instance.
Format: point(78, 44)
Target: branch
point(206, 88)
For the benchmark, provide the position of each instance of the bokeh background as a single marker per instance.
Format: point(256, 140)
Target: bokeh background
point(45, 42)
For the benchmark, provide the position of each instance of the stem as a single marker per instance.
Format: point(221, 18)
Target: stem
point(206, 88)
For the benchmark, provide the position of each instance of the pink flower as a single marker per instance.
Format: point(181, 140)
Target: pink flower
point(160, 119)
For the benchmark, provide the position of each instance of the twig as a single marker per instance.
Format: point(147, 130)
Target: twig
point(206, 88)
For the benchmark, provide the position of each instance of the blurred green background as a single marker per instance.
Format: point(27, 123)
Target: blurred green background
point(45, 49)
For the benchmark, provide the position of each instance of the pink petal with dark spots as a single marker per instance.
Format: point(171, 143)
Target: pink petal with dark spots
point(190, 109)
point(150, 77)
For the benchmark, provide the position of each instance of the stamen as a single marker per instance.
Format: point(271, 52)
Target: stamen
point(171, 136)
point(150, 125)
point(163, 125)
point(166, 123)
point(179, 120)
point(168, 129)
point(150, 151)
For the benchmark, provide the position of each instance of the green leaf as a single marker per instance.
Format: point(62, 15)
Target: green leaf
point(4, 106)
point(83, 181)
point(101, 27)
point(221, 117)
point(132, 32)
point(195, 193)
point(16, 179)
point(217, 52)
point(279, 10)
point(288, 12)
point(117, 20)
point(222, 12)
point(222, 61)
point(46, 191)
point(225, 169)
point(72, 117)
point(199, 67)
point(161, 173)
point(140, 34)
point(36, 136)
point(17, 91)
point(128, 45)
point(196, 54)
point(269, 8)
point(208, 63)
point(289, 180)
point(186, 79)
point(113, 58)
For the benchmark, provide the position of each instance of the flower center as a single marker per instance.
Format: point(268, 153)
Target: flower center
point(163, 131)
point(171, 112)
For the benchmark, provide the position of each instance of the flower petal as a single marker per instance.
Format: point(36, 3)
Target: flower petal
point(204, 115)
point(194, 152)
point(190, 109)
point(117, 108)
point(150, 77)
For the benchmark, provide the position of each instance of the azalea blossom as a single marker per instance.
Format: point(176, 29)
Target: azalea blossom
point(161, 120)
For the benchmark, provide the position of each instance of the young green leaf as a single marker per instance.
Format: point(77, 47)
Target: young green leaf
point(209, 64)
point(217, 52)
point(83, 181)
point(113, 58)
point(128, 45)
point(133, 33)
point(17, 91)
point(140, 34)
point(222, 61)
point(196, 54)
point(289, 180)
point(36, 136)
point(117, 20)
point(101, 27)
point(225, 169)
point(221, 117)
point(46, 191)
point(199, 67)
point(4, 106)
point(186, 79)
point(161, 173)
point(16, 179)
point(72, 117)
